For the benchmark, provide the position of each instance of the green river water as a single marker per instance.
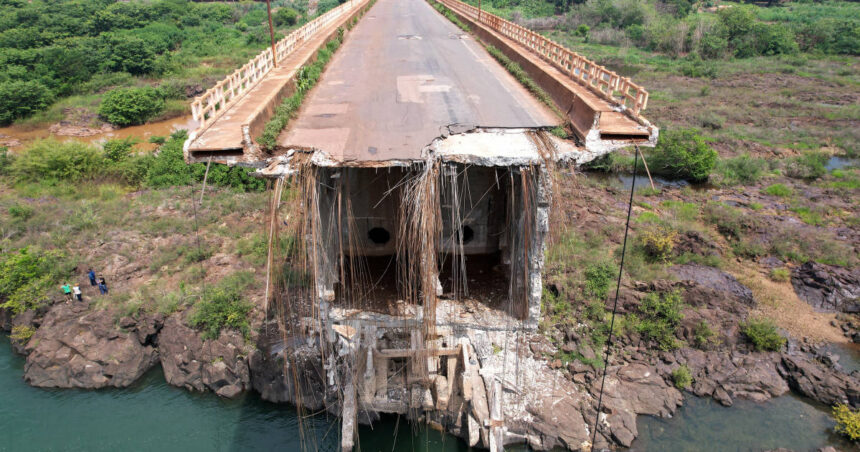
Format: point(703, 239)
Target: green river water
point(153, 416)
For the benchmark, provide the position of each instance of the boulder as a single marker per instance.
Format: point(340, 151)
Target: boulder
point(277, 364)
point(78, 348)
point(219, 365)
point(828, 288)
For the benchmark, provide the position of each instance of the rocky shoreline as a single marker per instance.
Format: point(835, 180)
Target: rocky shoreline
point(77, 347)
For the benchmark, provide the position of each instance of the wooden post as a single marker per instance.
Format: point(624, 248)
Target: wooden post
point(479, 11)
point(646, 167)
point(272, 34)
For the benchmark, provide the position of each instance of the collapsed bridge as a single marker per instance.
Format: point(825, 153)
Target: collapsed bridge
point(413, 189)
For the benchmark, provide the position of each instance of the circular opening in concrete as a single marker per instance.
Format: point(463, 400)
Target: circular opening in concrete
point(468, 234)
point(379, 236)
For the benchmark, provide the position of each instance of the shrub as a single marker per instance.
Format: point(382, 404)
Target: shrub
point(22, 333)
point(763, 334)
point(847, 421)
point(780, 190)
point(780, 274)
point(168, 169)
point(286, 16)
point(683, 154)
point(26, 276)
point(661, 316)
point(21, 211)
point(681, 377)
point(20, 99)
point(810, 165)
point(129, 106)
point(694, 66)
point(61, 161)
point(658, 241)
point(703, 335)
point(740, 170)
point(598, 278)
point(224, 307)
point(118, 150)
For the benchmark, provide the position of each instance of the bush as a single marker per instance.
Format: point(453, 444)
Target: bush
point(168, 169)
point(22, 333)
point(661, 316)
point(598, 279)
point(285, 16)
point(703, 335)
point(658, 241)
point(740, 170)
point(224, 307)
point(763, 334)
point(118, 150)
point(19, 99)
point(810, 165)
point(847, 421)
point(129, 106)
point(694, 66)
point(681, 377)
point(60, 161)
point(28, 275)
point(780, 190)
point(682, 154)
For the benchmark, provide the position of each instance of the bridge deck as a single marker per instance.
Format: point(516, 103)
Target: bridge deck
point(225, 133)
point(403, 75)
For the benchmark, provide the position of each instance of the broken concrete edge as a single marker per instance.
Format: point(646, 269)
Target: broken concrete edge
point(491, 146)
point(261, 115)
point(586, 124)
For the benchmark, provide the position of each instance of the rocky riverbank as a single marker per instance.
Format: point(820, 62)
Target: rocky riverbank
point(111, 342)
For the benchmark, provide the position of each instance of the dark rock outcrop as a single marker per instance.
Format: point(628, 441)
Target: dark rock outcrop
point(725, 376)
point(633, 389)
point(277, 366)
point(26, 320)
point(188, 361)
point(828, 288)
point(78, 348)
point(713, 278)
point(820, 382)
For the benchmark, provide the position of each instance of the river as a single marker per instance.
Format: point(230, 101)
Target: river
point(153, 416)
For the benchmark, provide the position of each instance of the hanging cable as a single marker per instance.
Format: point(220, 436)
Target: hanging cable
point(615, 304)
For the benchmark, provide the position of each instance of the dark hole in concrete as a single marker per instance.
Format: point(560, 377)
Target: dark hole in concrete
point(379, 236)
point(468, 234)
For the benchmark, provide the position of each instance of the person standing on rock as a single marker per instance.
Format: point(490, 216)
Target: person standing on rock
point(67, 291)
point(92, 275)
point(103, 286)
point(77, 291)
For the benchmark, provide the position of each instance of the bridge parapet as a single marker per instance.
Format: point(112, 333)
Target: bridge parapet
point(218, 99)
point(605, 83)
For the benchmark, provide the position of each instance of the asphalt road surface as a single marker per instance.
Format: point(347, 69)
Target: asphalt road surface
point(402, 76)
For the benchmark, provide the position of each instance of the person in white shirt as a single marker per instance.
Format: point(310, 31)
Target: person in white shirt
point(77, 291)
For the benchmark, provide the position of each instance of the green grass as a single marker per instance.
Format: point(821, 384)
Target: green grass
point(779, 190)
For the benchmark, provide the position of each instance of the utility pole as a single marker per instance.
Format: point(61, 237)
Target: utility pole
point(272, 34)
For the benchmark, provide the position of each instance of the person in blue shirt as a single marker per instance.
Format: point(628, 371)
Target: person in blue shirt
point(92, 275)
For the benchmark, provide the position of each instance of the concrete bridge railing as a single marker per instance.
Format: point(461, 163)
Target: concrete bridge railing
point(603, 82)
point(216, 100)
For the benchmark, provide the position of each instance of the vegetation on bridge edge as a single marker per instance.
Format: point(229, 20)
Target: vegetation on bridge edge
point(306, 78)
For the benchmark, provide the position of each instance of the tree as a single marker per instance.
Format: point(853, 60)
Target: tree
point(128, 106)
point(286, 16)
